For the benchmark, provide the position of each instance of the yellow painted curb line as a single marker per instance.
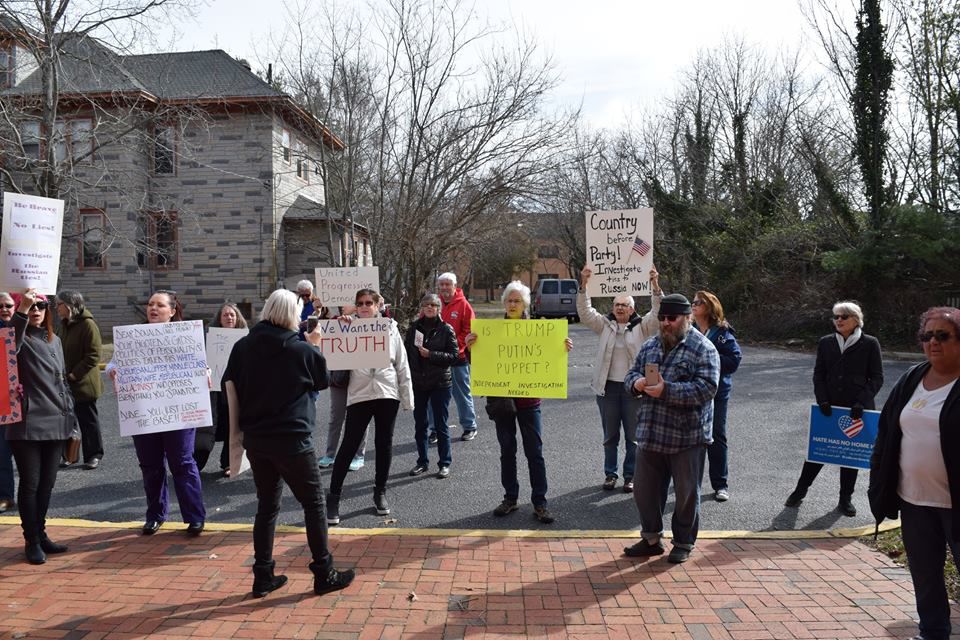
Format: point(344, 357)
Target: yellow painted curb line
point(855, 532)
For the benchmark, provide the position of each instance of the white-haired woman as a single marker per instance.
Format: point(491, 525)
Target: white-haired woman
point(848, 373)
point(269, 381)
point(516, 301)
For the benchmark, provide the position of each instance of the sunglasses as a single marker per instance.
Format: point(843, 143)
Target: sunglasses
point(430, 304)
point(6, 305)
point(842, 316)
point(39, 304)
point(669, 317)
point(621, 304)
point(366, 303)
point(697, 303)
point(941, 336)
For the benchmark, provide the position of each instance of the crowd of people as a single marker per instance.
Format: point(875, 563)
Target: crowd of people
point(662, 381)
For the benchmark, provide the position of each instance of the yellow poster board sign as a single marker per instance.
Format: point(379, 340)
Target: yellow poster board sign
point(519, 358)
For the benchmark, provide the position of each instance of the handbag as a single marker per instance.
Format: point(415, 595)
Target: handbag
point(500, 407)
point(71, 451)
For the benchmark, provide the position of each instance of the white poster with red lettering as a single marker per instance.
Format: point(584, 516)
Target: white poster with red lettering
point(30, 245)
point(360, 344)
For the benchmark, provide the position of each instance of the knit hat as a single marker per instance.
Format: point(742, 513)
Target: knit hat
point(675, 304)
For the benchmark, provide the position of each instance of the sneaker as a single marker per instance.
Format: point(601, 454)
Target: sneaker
point(541, 514)
point(331, 580)
point(333, 508)
point(678, 555)
point(469, 435)
point(325, 462)
point(610, 483)
point(443, 473)
point(795, 498)
point(628, 485)
point(92, 464)
point(356, 464)
point(845, 506)
point(644, 549)
point(505, 507)
point(722, 495)
point(418, 470)
point(432, 438)
point(380, 502)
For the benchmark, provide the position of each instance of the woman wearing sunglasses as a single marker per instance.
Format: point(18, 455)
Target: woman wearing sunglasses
point(376, 394)
point(6, 457)
point(48, 420)
point(915, 469)
point(848, 373)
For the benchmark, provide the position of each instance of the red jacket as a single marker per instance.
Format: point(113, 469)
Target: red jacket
point(458, 314)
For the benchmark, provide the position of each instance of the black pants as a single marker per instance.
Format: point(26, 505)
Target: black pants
point(203, 446)
point(384, 414)
point(848, 478)
point(302, 474)
point(37, 464)
point(90, 437)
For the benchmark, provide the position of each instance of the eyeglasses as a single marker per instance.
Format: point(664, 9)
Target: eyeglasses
point(306, 294)
point(621, 304)
point(429, 304)
point(669, 317)
point(6, 305)
point(39, 304)
point(941, 336)
point(366, 303)
point(841, 316)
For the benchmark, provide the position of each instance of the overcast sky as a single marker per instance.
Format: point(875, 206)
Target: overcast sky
point(613, 54)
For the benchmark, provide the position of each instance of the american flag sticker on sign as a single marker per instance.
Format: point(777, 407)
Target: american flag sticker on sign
point(851, 427)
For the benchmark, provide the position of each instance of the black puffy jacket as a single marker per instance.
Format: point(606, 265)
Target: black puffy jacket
point(431, 373)
point(852, 377)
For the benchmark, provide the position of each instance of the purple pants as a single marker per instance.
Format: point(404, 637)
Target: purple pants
point(176, 449)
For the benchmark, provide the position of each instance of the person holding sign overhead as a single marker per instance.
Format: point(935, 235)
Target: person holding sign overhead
point(523, 414)
point(848, 373)
point(48, 421)
point(157, 451)
point(621, 332)
point(376, 394)
point(915, 469)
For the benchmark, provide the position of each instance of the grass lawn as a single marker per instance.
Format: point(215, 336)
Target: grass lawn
point(891, 543)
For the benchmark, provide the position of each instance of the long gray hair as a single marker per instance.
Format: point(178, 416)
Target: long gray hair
point(74, 302)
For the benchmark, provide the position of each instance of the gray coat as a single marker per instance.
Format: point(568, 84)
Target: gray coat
point(47, 401)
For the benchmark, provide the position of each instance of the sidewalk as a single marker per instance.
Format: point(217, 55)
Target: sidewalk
point(114, 583)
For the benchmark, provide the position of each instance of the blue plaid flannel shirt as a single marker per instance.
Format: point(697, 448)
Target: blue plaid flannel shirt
point(682, 417)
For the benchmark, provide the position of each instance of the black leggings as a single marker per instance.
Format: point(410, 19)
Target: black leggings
point(37, 463)
point(848, 478)
point(384, 414)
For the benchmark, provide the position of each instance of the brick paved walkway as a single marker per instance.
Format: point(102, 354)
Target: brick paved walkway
point(116, 584)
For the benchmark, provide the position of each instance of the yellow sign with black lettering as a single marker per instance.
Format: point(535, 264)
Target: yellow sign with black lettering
point(519, 358)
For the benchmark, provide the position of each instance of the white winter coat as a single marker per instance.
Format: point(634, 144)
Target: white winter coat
point(388, 383)
point(639, 330)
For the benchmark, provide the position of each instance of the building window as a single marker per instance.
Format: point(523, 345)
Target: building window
point(317, 170)
point(548, 251)
point(303, 171)
point(285, 145)
point(92, 247)
point(158, 245)
point(164, 150)
point(30, 138)
point(8, 67)
point(80, 137)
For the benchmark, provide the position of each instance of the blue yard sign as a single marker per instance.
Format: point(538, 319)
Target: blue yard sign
point(839, 439)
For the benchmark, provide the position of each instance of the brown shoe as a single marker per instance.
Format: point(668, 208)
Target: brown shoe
point(5, 505)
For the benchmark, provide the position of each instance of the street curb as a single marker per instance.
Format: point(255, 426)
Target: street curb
point(841, 532)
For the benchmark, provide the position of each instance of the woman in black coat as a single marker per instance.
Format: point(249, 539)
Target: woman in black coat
point(848, 373)
point(430, 364)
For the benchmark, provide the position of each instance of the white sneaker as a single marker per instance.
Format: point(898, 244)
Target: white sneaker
point(324, 462)
point(722, 495)
point(356, 464)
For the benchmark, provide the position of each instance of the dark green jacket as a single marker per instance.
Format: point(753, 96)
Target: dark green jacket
point(81, 354)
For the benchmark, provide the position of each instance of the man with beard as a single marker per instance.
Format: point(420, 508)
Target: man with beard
point(674, 427)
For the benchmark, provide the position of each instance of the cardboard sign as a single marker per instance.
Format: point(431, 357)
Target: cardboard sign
point(620, 252)
point(839, 439)
point(519, 358)
point(161, 377)
point(10, 410)
point(220, 341)
point(338, 286)
point(360, 344)
point(30, 245)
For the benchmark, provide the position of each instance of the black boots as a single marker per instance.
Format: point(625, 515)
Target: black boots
point(34, 553)
point(333, 508)
point(49, 546)
point(327, 579)
point(264, 581)
point(845, 506)
point(795, 498)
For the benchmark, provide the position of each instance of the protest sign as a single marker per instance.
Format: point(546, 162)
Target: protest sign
point(363, 343)
point(338, 286)
point(161, 377)
point(841, 440)
point(10, 410)
point(519, 358)
point(220, 341)
point(620, 252)
point(30, 245)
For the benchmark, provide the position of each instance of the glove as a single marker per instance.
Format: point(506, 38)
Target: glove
point(825, 408)
point(856, 411)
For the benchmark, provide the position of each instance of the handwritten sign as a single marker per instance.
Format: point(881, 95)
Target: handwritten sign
point(220, 341)
point(161, 377)
point(361, 344)
point(30, 245)
point(519, 358)
point(10, 410)
point(620, 252)
point(839, 439)
point(338, 286)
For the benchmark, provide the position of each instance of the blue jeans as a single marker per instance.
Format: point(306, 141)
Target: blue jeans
point(717, 452)
point(618, 409)
point(528, 420)
point(926, 533)
point(654, 470)
point(6, 469)
point(461, 395)
point(438, 403)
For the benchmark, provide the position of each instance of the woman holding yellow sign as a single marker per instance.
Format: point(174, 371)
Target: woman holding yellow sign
point(509, 414)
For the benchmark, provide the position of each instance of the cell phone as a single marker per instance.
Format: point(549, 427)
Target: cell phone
point(312, 323)
point(651, 371)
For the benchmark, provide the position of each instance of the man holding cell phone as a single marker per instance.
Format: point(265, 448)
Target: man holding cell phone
point(675, 376)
